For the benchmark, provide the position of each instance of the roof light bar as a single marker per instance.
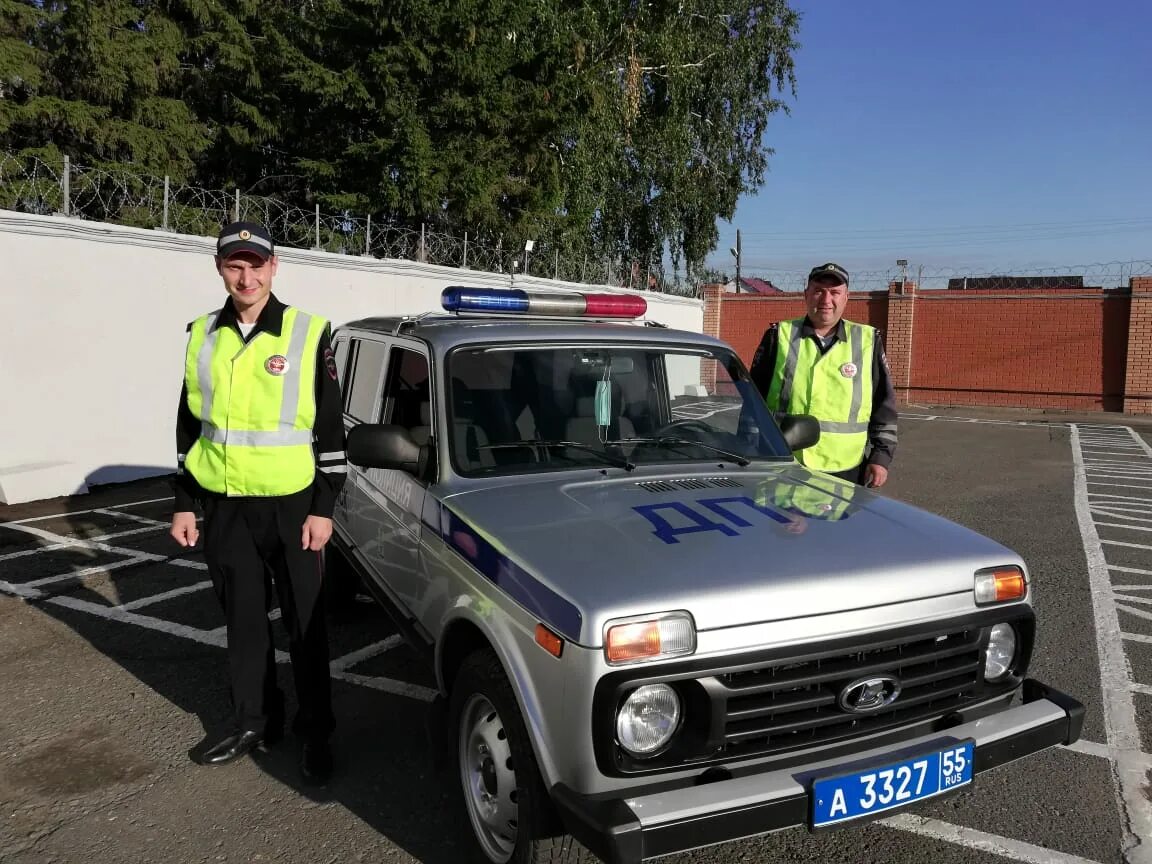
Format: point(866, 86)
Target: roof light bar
point(520, 302)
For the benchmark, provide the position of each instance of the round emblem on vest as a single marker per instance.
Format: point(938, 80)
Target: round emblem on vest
point(848, 370)
point(245, 235)
point(277, 364)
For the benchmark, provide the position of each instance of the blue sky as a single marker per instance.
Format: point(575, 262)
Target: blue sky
point(981, 136)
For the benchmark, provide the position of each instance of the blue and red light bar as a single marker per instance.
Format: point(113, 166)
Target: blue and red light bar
point(519, 302)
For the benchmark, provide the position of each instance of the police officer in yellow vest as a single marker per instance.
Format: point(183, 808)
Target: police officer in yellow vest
point(260, 446)
point(836, 371)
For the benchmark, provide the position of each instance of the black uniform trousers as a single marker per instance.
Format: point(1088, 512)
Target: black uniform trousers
point(249, 543)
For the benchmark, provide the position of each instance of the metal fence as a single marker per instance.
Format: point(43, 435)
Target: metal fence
point(122, 196)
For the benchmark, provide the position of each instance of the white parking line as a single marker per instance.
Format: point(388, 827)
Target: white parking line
point(1137, 637)
point(1103, 751)
point(970, 838)
point(1121, 729)
point(366, 653)
point(132, 517)
point(167, 595)
point(124, 613)
point(81, 512)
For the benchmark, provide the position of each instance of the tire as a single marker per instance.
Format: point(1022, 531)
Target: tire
point(512, 818)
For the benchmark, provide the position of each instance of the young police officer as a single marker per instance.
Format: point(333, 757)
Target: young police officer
point(836, 371)
point(260, 445)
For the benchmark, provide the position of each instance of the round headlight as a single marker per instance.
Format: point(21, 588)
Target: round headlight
point(648, 719)
point(1001, 652)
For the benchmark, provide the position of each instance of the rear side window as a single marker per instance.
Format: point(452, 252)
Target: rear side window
point(367, 370)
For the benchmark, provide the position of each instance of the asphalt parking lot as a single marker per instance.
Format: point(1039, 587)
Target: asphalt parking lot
point(112, 670)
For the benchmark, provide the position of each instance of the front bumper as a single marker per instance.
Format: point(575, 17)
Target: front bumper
point(631, 830)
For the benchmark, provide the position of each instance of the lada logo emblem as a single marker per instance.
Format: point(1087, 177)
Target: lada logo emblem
point(867, 695)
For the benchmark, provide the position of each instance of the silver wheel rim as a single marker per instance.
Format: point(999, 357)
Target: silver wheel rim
point(488, 777)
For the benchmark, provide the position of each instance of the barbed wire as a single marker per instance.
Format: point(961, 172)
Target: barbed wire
point(1108, 274)
point(123, 196)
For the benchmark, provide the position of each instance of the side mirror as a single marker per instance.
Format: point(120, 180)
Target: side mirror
point(383, 445)
point(800, 430)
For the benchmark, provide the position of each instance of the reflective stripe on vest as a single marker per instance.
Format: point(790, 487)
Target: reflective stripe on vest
point(835, 387)
point(256, 405)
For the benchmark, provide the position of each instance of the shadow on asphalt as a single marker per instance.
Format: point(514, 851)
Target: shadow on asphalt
point(386, 771)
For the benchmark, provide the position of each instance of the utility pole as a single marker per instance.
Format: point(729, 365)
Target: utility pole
point(735, 250)
point(738, 253)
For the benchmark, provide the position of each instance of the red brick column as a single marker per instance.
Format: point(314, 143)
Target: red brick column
point(713, 295)
point(901, 312)
point(1138, 374)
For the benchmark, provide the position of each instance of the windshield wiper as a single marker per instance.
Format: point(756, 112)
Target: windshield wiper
point(618, 461)
point(671, 441)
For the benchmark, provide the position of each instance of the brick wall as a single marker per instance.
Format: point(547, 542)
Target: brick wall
point(1138, 372)
point(1079, 349)
point(1032, 349)
point(745, 317)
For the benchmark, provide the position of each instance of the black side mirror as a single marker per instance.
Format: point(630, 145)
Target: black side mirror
point(383, 445)
point(800, 430)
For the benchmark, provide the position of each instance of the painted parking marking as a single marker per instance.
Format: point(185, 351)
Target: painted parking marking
point(932, 828)
point(1121, 729)
point(125, 613)
point(82, 512)
point(970, 838)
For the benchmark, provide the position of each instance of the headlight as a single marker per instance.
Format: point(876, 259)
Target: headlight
point(648, 719)
point(646, 637)
point(1001, 652)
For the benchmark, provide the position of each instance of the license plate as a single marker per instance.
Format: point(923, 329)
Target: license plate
point(875, 790)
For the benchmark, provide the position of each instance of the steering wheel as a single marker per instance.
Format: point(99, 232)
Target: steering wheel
point(678, 427)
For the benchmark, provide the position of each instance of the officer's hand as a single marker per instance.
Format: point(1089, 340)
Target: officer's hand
point(875, 476)
point(184, 530)
point(317, 531)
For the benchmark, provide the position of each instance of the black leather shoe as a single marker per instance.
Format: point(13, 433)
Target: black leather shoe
point(232, 748)
point(315, 763)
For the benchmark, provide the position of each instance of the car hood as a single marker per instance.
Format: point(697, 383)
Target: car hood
point(750, 547)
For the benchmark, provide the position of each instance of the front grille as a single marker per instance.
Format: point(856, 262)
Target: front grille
point(785, 705)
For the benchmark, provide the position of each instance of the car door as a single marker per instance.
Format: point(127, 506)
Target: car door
point(363, 359)
point(389, 523)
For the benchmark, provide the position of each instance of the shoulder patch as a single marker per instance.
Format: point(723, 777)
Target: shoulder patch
point(330, 364)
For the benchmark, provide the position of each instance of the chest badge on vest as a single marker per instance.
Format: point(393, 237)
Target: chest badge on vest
point(849, 370)
point(277, 364)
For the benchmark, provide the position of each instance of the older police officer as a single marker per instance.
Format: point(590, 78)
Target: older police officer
point(260, 445)
point(835, 370)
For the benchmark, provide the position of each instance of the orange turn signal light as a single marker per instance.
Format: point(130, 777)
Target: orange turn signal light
point(633, 641)
point(1000, 585)
point(549, 641)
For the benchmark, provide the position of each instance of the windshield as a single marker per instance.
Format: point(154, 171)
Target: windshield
point(523, 408)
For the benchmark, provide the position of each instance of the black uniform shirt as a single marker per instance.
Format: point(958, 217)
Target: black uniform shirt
point(327, 431)
point(882, 423)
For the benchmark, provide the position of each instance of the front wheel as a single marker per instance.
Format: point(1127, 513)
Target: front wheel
point(509, 809)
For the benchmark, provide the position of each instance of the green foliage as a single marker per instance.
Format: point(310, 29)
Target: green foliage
point(615, 130)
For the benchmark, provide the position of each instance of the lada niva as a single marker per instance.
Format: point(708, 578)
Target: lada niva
point(653, 628)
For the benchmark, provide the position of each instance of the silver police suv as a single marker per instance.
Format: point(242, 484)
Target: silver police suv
point(652, 628)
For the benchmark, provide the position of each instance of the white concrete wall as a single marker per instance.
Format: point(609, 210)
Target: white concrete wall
point(92, 320)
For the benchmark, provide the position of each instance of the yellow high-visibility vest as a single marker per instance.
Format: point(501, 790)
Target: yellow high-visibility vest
point(256, 403)
point(834, 387)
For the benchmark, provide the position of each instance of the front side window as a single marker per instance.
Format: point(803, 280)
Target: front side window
point(407, 396)
point(518, 409)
